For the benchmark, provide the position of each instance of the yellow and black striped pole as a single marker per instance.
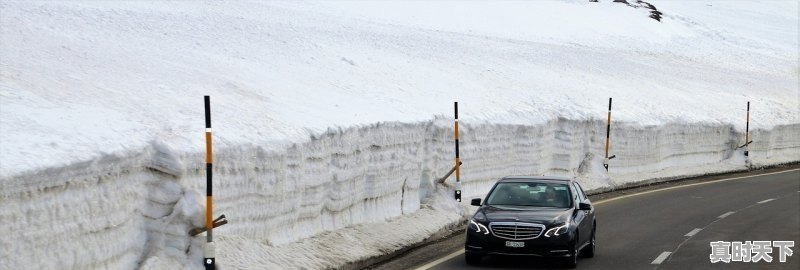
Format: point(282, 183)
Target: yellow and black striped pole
point(458, 158)
point(747, 140)
point(608, 135)
point(747, 131)
point(208, 249)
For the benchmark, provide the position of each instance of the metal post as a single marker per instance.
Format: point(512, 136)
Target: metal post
point(747, 131)
point(208, 249)
point(608, 134)
point(458, 159)
point(441, 180)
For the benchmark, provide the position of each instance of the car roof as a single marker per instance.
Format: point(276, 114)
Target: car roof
point(523, 178)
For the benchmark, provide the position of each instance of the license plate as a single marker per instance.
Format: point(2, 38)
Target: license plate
point(515, 244)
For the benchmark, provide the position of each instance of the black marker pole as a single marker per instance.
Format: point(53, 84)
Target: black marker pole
point(747, 132)
point(208, 249)
point(458, 158)
point(608, 134)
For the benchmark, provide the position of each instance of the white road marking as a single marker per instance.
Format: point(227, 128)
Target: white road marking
point(766, 201)
point(693, 232)
point(454, 254)
point(664, 255)
point(440, 260)
point(726, 214)
point(689, 185)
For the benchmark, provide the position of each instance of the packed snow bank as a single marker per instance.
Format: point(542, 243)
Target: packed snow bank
point(120, 212)
point(353, 194)
point(348, 246)
point(344, 187)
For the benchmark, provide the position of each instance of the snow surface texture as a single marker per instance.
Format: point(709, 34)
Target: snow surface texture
point(82, 79)
point(101, 142)
point(115, 212)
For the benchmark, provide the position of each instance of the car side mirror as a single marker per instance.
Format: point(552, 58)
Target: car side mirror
point(476, 202)
point(584, 206)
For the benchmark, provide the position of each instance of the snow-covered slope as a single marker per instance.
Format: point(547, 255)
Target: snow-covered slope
point(334, 116)
point(78, 77)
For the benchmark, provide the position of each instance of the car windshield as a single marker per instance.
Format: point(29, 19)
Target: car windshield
point(530, 194)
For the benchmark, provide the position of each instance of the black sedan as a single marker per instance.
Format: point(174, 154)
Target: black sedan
point(534, 216)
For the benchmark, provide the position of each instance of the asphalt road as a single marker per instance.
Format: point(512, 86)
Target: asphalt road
point(671, 228)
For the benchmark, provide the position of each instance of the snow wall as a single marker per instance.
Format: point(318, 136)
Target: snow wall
point(134, 210)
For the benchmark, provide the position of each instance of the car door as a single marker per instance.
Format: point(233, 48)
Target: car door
point(588, 220)
point(585, 226)
point(578, 216)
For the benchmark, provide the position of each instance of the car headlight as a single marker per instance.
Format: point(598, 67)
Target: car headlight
point(557, 230)
point(476, 223)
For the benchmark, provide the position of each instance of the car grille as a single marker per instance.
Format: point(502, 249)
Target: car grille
point(516, 230)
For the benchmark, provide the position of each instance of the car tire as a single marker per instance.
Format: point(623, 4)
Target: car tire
point(588, 251)
point(472, 258)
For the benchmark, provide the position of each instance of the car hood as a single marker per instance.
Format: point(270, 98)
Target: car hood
point(546, 216)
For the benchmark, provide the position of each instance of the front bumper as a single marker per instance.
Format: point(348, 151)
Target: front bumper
point(488, 244)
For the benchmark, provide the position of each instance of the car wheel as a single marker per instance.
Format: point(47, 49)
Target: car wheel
point(572, 261)
point(472, 259)
point(588, 251)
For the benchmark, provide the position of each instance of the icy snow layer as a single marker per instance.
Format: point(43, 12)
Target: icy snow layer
point(80, 79)
point(333, 249)
point(308, 205)
point(116, 212)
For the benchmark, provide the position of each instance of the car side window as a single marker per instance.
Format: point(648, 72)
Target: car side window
point(575, 196)
point(580, 190)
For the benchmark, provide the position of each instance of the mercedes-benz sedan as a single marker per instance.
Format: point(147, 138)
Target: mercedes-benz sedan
point(534, 216)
